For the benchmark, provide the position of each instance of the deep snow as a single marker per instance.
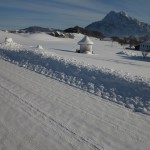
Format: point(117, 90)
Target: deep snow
point(122, 88)
point(37, 112)
point(67, 100)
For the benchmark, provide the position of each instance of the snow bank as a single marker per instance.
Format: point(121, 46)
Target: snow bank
point(129, 91)
point(39, 47)
point(10, 44)
point(8, 40)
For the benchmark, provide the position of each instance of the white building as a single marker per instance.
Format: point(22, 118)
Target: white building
point(86, 45)
point(145, 48)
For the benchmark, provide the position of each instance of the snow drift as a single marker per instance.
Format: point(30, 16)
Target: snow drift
point(129, 91)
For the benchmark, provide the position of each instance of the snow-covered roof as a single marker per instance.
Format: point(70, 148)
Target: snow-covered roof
point(85, 40)
point(58, 32)
point(145, 43)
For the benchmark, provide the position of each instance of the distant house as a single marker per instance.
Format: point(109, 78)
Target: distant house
point(52, 33)
point(58, 34)
point(62, 35)
point(86, 45)
point(145, 48)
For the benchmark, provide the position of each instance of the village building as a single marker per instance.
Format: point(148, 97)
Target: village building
point(145, 48)
point(86, 45)
point(58, 34)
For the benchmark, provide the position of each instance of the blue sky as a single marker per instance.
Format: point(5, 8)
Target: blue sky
point(16, 14)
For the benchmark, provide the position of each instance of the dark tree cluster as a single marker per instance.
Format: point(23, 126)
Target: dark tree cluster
point(131, 40)
point(78, 29)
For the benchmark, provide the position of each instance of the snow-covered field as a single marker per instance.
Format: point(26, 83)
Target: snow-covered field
point(73, 102)
point(84, 71)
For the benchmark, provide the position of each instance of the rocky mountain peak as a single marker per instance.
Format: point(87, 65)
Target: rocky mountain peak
point(120, 24)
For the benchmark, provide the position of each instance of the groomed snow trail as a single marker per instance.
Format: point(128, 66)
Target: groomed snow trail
point(37, 113)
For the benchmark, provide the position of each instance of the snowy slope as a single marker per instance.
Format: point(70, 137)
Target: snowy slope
point(106, 53)
point(40, 113)
point(59, 99)
point(122, 88)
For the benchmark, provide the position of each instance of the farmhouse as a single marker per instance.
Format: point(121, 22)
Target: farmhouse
point(145, 48)
point(58, 34)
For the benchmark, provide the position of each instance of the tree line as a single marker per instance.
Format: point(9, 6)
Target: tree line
point(131, 40)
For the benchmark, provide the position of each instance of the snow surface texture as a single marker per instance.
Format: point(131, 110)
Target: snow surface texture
point(40, 113)
point(129, 91)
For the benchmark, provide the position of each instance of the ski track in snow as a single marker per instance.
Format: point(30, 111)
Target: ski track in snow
point(37, 114)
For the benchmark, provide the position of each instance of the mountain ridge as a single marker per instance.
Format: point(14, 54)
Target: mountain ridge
point(120, 24)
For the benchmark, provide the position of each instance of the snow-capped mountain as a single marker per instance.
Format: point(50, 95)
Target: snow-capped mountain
point(120, 24)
